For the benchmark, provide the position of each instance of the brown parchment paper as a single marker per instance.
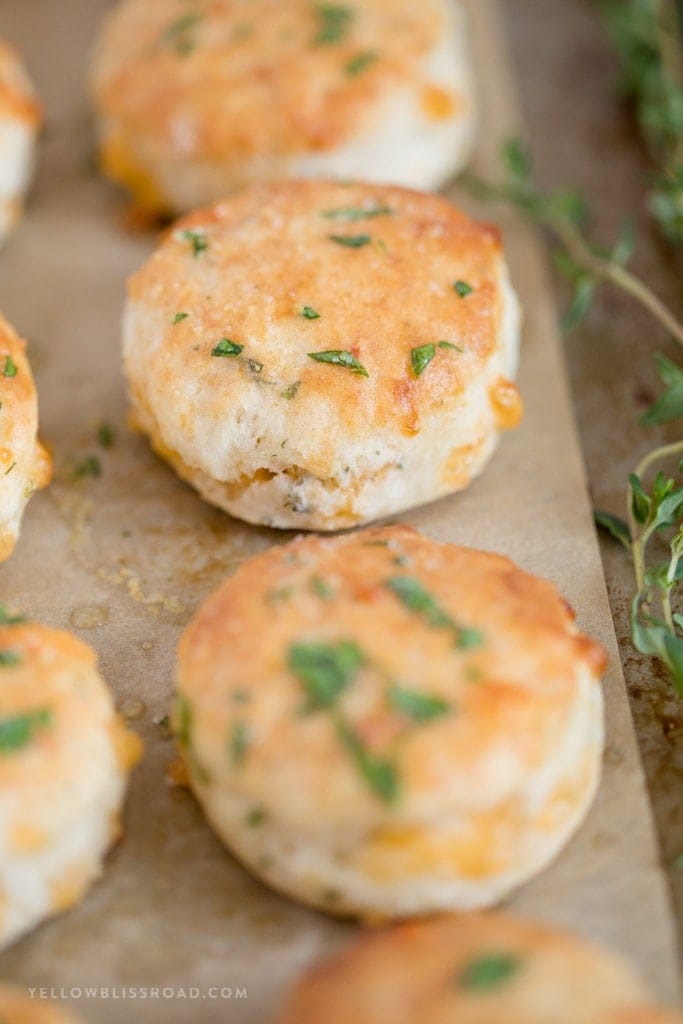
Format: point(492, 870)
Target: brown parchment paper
point(125, 559)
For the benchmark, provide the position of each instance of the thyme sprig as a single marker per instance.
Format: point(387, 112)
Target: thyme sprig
point(565, 213)
point(646, 35)
point(655, 512)
point(656, 625)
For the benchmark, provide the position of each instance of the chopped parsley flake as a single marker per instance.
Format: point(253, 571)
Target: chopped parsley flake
point(413, 596)
point(8, 471)
point(421, 707)
point(340, 358)
point(255, 817)
point(334, 21)
point(463, 289)
point(321, 588)
point(9, 658)
point(324, 670)
point(179, 317)
point(360, 62)
point(179, 33)
point(351, 241)
point(488, 972)
point(449, 344)
point(226, 347)
point(380, 774)
point(183, 720)
point(351, 213)
point(421, 358)
point(18, 731)
point(10, 367)
point(308, 313)
point(8, 619)
point(88, 466)
point(239, 743)
point(197, 240)
point(291, 390)
point(106, 435)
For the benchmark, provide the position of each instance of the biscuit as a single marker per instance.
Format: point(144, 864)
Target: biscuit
point(25, 466)
point(64, 760)
point(20, 118)
point(380, 725)
point(315, 356)
point(194, 102)
point(16, 1007)
point(478, 969)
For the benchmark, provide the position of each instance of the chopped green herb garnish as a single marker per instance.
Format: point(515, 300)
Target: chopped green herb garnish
point(183, 720)
point(179, 317)
point(8, 619)
point(340, 358)
point(19, 730)
point(468, 638)
point(360, 62)
point(9, 470)
point(334, 21)
point(352, 213)
point(321, 588)
point(197, 240)
point(463, 289)
point(421, 357)
point(88, 466)
point(255, 817)
point(421, 707)
point(226, 347)
point(379, 773)
point(351, 241)
point(413, 596)
point(324, 670)
point(239, 743)
point(449, 344)
point(488, 972)
point(308, 313)
point(10, 367)
point(9, 658)
point(179, 33)
point(291, 390)
point(106, 435)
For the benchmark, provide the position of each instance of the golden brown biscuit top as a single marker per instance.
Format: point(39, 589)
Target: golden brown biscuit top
point(398, 289)
point(17, 98)
point(18, 411)
point(479, 969)
point(54, 710)
point(379, 671)
point(220, 78)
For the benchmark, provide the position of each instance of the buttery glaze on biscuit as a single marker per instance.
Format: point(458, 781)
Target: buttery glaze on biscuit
point(194, 102)
point(64, 760)
point(313, 355)
point(20, 117)
point(478, 969)
point(380, 725)
point(25, 466)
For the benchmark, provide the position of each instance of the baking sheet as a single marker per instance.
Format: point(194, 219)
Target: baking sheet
point(124, 560)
